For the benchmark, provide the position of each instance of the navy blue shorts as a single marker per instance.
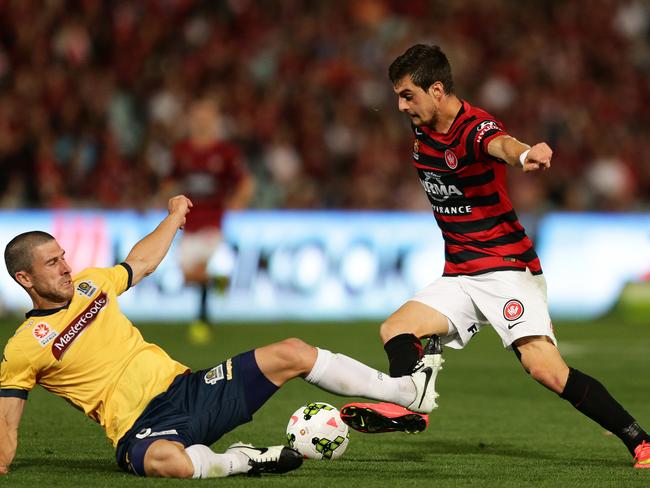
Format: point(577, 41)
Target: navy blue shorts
point(197, 408)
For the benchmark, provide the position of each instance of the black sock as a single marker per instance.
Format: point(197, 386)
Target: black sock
point(403, 352)
point(591, 398)
point(203, 304)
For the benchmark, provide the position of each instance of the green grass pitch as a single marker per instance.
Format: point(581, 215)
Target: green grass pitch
point(495, 426)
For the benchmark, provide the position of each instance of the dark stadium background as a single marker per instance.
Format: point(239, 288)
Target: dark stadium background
point(92, 95)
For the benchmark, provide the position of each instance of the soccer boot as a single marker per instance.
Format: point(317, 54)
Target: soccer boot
point(424, 377)
point(642, 455)
point(375, 418)
point(273, 459)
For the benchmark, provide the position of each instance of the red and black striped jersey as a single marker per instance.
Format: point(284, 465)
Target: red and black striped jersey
point(467, 190)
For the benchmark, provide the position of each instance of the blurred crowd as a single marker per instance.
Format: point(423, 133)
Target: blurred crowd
point(94, 95)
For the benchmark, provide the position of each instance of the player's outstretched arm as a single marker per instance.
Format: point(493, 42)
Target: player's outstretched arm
point(516, 153)
point(11, 411)
point(147, 254)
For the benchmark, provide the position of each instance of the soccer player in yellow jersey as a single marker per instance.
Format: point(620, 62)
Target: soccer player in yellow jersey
point(77, 344)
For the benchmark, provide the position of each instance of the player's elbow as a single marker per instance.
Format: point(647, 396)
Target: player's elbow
point(140, 267)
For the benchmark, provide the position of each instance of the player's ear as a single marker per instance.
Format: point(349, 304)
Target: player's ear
point(436, 90)
point(24, 279)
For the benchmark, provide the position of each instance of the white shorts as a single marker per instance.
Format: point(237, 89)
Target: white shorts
point(196, 248)
point(513, 302)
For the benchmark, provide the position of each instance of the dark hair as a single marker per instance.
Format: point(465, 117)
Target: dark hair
point(18, 253)
point(425, 65)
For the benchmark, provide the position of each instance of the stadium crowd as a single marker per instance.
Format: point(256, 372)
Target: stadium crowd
point(93, 96)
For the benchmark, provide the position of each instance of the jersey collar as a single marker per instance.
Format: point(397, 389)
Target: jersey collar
point(42, 312)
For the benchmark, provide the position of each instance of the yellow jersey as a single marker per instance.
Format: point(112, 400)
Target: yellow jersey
point(90, 354)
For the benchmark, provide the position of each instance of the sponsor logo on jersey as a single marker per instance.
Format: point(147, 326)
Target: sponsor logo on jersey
point(513, 309)
point(437, 190)
point(451, 159)
point(78, 325)
point(86, 288)
point(148, 433)
point(456, 210)
point(214, 375)
point(44, 333)
point(485, 127)
point(416, 149)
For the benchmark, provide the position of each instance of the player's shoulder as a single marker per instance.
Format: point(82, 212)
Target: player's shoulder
point(31, 326)
point(87, 280)
point(89, 273)
point(477, 114)
point(24, 327)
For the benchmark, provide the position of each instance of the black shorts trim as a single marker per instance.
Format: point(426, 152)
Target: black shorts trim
point(14, 393)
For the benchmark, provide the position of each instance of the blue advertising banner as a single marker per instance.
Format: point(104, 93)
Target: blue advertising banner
point(589, 258)
point(277, 265)
point(292, 265)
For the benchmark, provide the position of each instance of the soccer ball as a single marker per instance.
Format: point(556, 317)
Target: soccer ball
point(317, 431)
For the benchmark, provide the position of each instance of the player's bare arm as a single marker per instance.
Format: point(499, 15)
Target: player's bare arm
point(512, 151)
point(147, 254)
point(11, 411)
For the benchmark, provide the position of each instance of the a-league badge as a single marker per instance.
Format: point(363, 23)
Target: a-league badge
point(86, 288)
point(214, 375)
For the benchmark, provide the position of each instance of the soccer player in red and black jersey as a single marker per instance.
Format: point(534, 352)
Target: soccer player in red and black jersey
point(212, 173)
point(492, 273)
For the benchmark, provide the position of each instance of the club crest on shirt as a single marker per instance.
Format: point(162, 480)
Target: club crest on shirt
point(87, 288)
point(214, 375)
point(44, 333)
point(513, 309)
point(451, 159)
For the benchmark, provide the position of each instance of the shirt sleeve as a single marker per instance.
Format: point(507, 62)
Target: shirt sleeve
point(120, 277)
point(483, 132)
point(17, 375)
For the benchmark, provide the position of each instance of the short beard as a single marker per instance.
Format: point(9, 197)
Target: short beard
point(53, 295)
point(432, 122)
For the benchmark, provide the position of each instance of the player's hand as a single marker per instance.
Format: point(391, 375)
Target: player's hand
point(539, 157)
point(179, 205)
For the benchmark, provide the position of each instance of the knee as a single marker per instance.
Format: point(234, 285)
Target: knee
point(296, 355)
point(396, 325)
point(553, 379)
point(166, 459)
point(391, 328)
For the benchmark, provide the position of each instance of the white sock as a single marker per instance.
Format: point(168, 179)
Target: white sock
point(209, 464)
point(340, 374)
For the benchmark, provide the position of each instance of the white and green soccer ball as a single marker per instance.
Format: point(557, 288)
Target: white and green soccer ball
point(317, 431)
